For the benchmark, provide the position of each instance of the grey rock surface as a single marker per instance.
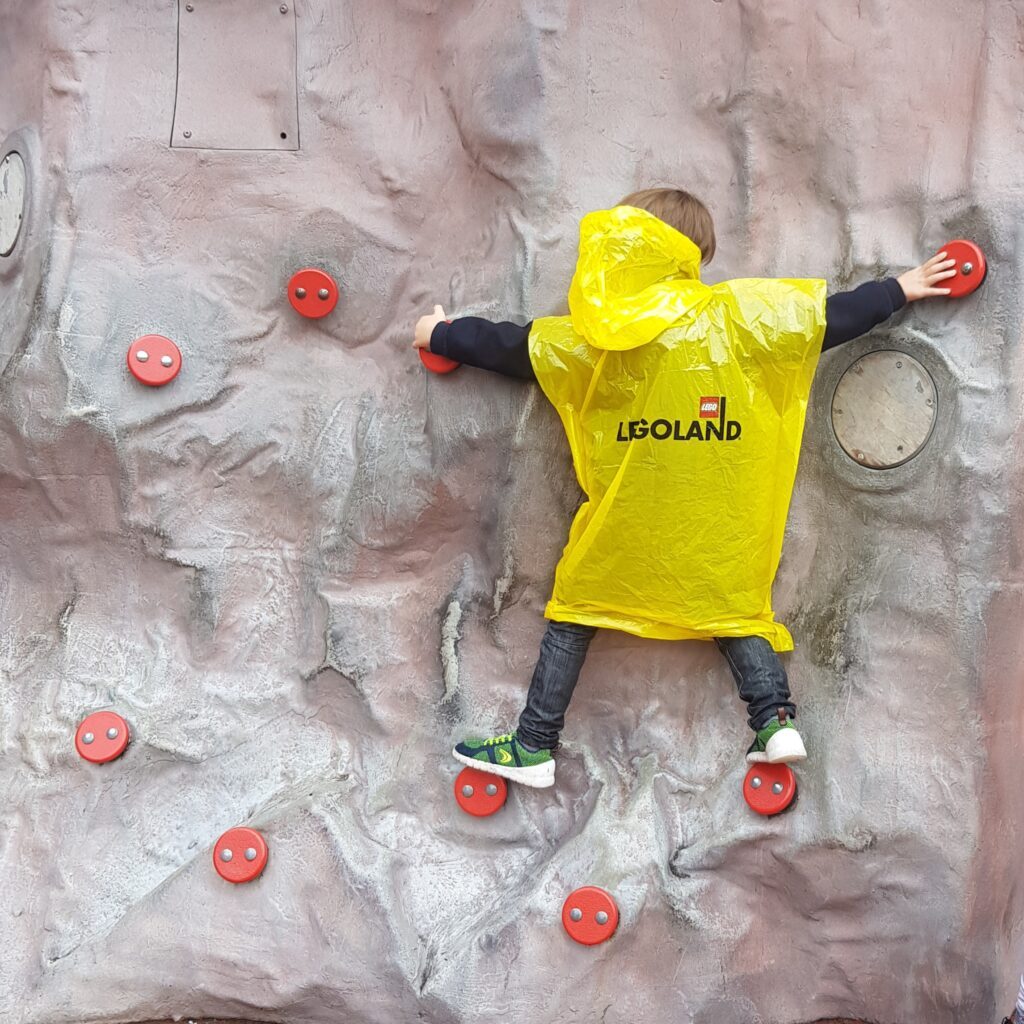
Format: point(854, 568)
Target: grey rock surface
point(306, 566)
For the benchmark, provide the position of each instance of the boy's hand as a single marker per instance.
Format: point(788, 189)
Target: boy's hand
point(425, 327)
point(920, 283)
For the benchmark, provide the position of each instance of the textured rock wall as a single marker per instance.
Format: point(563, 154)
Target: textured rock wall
point(305, 567)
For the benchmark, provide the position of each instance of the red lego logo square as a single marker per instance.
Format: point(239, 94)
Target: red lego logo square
point(709, 408)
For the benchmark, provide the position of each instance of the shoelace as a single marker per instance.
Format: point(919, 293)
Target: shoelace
point(497, 740)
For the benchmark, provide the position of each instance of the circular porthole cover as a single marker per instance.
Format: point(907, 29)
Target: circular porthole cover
point(883, 409)
point(13, 190)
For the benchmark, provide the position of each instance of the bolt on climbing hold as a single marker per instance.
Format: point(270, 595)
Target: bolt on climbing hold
point(154, 360)
point(777, 795)
point(480, 793)
point(590, 916)
point(971, 267)
point(254, 853)
point(102, 737)
point(308, 282)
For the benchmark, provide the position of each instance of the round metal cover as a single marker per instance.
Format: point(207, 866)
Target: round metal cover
point(312, 293)
point(971, 268)
point(103, 736)
point(590, 915)
point(240, 855)
point(471, 792)
point(436, 363)
point(769, 788)
point(154, 360)
point(883, 409)
point(13, 190)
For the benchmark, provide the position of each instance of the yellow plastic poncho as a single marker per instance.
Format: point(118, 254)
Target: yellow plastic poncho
point(684, 407)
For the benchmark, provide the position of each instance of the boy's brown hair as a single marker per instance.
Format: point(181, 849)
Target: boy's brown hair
point(681, 211)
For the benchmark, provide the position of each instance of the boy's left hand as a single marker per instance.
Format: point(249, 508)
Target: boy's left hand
point(922, 281)
point(425, 327)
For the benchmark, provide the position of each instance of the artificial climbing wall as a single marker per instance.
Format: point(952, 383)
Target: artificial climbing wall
point(305, 566)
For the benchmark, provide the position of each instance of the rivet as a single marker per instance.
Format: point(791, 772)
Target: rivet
point(860, 455)
point(899, 364)
point(166, 361)
point(467, 791)
point(300, 293)
point(492, 789)
point(111, 733)
point(576, 914)
point(966, 269)
point(776, 788)
point(250, 854)
point(601, 917)
point(324, 293)
point(88, 738)
point(225, 855)
point(189, 8)
point(283, 8)
point(928, 401)
point(142, 355)
point(188, 135)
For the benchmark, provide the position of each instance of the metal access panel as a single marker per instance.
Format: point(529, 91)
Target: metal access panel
point(236, 75)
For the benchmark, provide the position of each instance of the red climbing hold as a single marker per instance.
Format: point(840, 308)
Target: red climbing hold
point(240, 855)
point(769, 788)
point(154, 360)
point(312, 293)
point(589, 915)
point(102, 737)
point(437, 364)
point(970, 268)
point(480, 793)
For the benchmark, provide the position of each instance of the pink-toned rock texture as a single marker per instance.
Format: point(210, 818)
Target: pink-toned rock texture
point(306, 566)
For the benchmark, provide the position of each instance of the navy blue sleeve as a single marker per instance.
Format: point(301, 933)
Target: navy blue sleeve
point(503, 348)
point(848, 315)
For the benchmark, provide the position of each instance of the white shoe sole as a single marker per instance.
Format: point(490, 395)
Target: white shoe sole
point(536, 776)
point(785, 746)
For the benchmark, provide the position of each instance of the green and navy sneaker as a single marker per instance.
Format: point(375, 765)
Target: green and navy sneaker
point(778, 741)
point(507, 757)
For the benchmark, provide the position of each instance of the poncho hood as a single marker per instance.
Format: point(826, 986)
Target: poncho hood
point(635, 277)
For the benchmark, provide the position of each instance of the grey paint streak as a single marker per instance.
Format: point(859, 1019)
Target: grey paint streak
point(255, 564)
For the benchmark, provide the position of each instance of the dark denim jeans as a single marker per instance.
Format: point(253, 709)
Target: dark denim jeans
point(759, 675)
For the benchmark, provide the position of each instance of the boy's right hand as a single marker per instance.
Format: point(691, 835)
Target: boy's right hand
point(425, 328)
point(921, 282)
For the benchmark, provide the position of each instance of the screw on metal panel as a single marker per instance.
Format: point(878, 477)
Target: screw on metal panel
point(189, 8)
point(492, 789)
point(967, 268)
point(324, 293)
point(166, 361)
point(142, 355)
point(576, 914)
point(467, 790)
point(283, 8)
point(601, 917)
point(250, 854)
point(776, 788)
point(188, 135)
point(755, 782)
point(899, 364)
point(88, 738)
point(300, 293)
point(111, 733)
point(226, 855)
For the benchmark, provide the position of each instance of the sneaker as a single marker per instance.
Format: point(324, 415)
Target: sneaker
point(507, 757)
point(778, 741)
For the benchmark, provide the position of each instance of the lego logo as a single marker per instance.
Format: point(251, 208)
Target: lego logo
point(709, 408)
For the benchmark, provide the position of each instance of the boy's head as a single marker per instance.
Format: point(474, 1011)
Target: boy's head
point(679, 210)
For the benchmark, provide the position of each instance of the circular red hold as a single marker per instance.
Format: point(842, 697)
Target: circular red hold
point(102, 737)
point(240, 855)
point(589, 915)
point(480, 793)
point(437, 364)
point(970, 268)
point(312, 293)
point(154, 360)
point(769, 788)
